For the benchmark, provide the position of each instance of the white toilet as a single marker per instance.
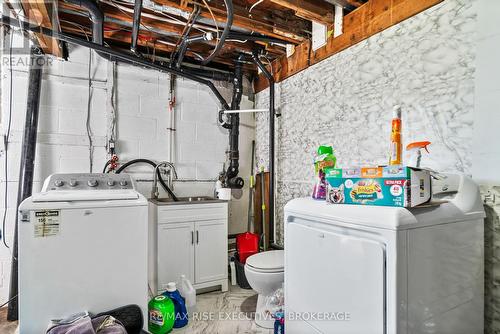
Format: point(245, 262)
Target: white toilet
point(265, 273)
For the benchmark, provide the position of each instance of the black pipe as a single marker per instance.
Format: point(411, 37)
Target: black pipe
point(146, 161)
point(135, 26)
point(225, 33)
point(27, 165)
point(115, 55)
point(97, 19)
point(232, 178)
point(272, 115)
point(185, 40)
point(184, 46)
point(211, 75)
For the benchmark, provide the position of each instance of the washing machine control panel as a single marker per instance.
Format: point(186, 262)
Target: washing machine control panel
point(96, 181)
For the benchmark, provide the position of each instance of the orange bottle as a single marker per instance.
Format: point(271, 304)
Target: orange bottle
point(396, 150)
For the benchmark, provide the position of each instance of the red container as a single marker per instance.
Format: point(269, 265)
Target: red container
point(247, 245)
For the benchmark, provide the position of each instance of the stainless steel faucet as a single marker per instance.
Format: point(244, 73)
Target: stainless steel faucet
point(172, 174)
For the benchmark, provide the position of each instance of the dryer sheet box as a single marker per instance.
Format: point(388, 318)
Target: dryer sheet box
point(399, 186)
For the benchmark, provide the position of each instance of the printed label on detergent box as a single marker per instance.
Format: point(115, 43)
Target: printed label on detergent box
point(46, 223)
point(367, 191)
point(386, 186)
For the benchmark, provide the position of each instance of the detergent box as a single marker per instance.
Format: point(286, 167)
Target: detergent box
point(385, 186)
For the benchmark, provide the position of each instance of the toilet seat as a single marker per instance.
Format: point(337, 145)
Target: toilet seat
point(267, 262)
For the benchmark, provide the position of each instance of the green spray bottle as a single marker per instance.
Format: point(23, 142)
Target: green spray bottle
point(161, 315)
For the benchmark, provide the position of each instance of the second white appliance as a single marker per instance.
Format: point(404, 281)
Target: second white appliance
point(82, 247)
point(383, 270)
point(188, 239)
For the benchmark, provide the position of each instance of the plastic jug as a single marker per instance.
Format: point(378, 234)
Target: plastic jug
point(181, 316)
point(161, 315)
point(189, 293)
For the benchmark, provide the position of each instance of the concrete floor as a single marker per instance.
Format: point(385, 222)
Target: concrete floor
point(212, 312)
point(6, 327)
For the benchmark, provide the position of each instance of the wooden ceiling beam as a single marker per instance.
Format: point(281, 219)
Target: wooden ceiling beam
point(112, 33)
point(40, 12)
point(243, 20)
point(349, 4)
point(368, 20)
point(311, 10)
point(156, 25)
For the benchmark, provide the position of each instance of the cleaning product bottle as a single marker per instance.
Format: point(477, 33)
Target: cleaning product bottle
point(396, 149)
point(189, 293)
point(181, 316)
point(415, 150)
point(324, 159)
point(161, 313)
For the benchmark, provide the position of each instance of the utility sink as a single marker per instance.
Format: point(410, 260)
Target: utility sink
point(185, 200)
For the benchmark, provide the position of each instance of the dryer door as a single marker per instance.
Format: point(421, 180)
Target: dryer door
point(334, 279)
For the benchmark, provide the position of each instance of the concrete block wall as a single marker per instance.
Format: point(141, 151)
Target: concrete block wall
point(143, 120)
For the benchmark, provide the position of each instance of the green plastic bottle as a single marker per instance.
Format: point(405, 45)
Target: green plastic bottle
point(161, 315)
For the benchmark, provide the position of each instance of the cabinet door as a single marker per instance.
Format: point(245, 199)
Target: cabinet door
point(175, 252)
point(210, 251)
point(336, 272)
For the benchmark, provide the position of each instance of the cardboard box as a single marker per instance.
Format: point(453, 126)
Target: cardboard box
point(399, 186)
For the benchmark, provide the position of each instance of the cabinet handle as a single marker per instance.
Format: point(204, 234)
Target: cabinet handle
point(197, 237)
point(192, 238)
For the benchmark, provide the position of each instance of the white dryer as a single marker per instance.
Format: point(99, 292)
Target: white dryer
point(383, 270)
point(82, 247)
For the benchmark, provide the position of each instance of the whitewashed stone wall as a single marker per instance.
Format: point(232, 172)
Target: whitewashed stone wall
point(425, 64)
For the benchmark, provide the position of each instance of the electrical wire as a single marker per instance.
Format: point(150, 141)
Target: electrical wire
point(269, 62)
point(111, 2)
point(8, 301)
point(185, 33)
point(255, 5)
point(6, 143)
point(220, 39)
point(213, 17)
point(156, 17)
point(87, 121)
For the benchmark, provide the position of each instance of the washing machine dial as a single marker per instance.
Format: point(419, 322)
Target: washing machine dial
point(73, 183)
point(123, 183)
point(92, 183)
point(58, 183)
point(110, 183)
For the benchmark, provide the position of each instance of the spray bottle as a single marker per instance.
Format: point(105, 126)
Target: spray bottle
point(415, 150)
point(396, 149)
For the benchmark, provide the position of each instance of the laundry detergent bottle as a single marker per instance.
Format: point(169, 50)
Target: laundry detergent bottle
point(181, 315)
point(324, 159)
point(161, 315)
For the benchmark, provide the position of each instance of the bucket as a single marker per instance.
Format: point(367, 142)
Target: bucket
point(247, 244)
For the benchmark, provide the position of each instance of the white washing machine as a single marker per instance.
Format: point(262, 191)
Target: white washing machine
point(384, 270)
point(82, 247)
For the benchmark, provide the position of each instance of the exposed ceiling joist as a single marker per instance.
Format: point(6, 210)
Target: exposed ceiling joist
point(242, 19)
point(368, 20)
point(348, 4)
point(41, 12)
point(312, 10)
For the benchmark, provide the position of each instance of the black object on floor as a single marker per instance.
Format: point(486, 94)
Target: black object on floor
point(241, 278)
point(130, 316)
